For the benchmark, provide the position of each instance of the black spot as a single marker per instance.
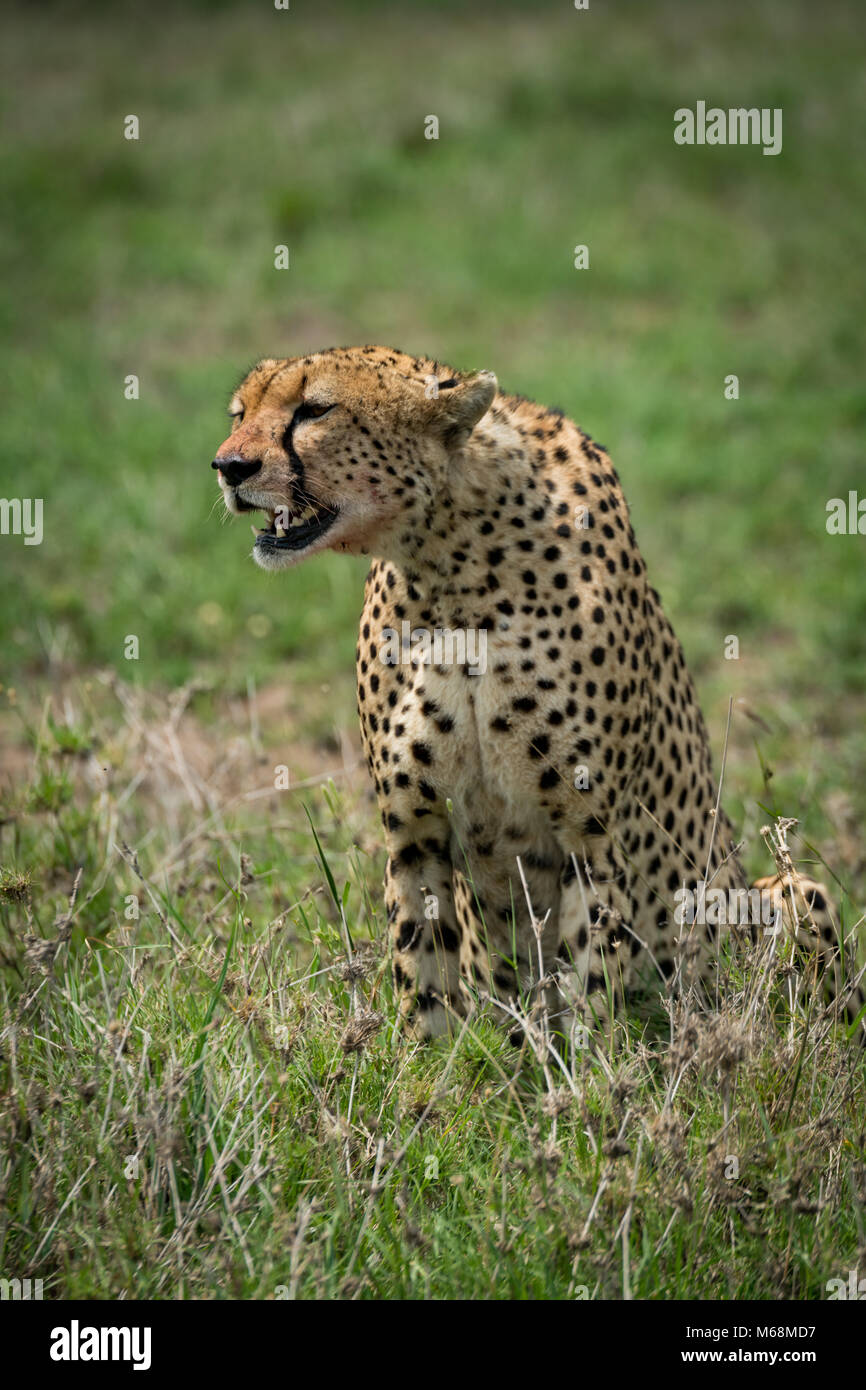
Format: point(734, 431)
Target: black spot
point(406, 935)
point(447, 937)
point(539, 746)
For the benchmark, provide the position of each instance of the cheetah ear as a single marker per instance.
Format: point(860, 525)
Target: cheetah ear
point(460, 404)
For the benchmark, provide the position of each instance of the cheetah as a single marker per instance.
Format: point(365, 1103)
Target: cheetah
point(541, 763)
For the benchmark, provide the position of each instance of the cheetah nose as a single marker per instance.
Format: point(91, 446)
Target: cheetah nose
point(235, 469)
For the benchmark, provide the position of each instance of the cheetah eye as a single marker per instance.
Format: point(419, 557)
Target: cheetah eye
point(310, 412)
point(236, 415)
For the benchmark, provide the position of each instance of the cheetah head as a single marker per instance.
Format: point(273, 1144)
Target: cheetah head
point(346, 449)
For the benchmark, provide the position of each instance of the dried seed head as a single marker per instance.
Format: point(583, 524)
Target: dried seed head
point(359, 1030)
point(557, 1102)
point(668, 1132)
point(14, 887)
point(725, 1043)
point(685, 1041)
point(352, 970)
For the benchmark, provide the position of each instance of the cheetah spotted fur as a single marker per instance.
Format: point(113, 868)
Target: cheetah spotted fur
point(540, 813)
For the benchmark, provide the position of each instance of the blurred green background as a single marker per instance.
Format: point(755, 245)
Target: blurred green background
point(306, 127)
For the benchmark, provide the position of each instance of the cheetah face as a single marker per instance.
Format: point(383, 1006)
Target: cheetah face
point(344, 450)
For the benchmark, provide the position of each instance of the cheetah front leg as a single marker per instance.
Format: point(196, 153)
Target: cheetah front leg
point(596, 941)
point(424, 932)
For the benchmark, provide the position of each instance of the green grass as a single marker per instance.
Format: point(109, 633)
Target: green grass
point(156, 258)
point(207, 1094)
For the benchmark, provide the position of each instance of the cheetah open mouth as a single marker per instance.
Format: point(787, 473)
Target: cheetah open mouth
point(288, 530)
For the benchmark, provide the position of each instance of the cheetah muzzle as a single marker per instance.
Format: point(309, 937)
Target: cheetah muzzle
point(543, 808)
